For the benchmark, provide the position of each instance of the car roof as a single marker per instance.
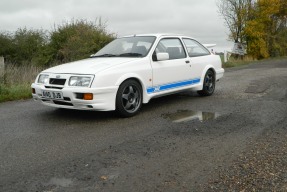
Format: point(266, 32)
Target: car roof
point(158, 35)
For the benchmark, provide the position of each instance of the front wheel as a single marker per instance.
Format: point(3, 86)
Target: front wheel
point(208, 84)
point(129, 98)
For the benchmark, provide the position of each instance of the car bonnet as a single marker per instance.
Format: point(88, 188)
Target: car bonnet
point(89, 66)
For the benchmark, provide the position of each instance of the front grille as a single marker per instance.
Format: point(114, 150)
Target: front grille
point(54, 81)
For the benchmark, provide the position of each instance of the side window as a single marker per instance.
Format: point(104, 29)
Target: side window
point(172, 46)
point(194, 48)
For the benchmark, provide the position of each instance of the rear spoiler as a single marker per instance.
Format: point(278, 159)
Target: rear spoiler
point(209, 45)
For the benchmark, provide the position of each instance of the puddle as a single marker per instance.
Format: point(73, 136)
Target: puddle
point(187, 115)
point(62, 182)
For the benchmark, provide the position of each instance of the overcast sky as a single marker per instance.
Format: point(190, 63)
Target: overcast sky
point(197, 18)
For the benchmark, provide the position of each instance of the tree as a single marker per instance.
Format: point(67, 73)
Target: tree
point(77, 40)
point(263, 30)
point(280, 30)
point(260, 24)
point(70, 41)
point(235, 14)
point(6, 44)
point(25, 45)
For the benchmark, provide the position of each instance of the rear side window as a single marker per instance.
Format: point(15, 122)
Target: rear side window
point(172, 46)
point(194, 48)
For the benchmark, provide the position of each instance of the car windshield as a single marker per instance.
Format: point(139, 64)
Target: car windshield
point(136, 46)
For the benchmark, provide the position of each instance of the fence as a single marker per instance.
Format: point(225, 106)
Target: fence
point(2, 69)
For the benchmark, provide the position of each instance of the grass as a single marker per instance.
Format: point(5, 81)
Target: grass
point(232, 62)
point(236, 62)
point(16, 83)
point(15, 92)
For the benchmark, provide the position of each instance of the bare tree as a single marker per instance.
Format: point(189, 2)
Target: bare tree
point(235, 14)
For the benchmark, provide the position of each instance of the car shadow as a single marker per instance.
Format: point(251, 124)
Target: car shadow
point(79, 115)
point(60, 114)
point(169, 100)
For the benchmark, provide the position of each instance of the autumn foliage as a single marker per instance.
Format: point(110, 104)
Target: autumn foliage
point(259, 24)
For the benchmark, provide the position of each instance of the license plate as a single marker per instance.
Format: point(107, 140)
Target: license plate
point(52, 95)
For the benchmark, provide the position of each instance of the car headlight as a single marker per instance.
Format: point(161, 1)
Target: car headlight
point(80, 81)
point(43, 79)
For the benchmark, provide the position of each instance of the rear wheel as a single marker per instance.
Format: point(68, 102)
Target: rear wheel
point(208, 84)
point(129, 98)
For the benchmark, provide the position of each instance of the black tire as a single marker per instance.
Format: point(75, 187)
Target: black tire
point(129, 98)
point(208, 84)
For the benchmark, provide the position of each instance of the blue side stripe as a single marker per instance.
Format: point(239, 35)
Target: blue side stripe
point(172, 85)
point(196, 81)
point(150, 90)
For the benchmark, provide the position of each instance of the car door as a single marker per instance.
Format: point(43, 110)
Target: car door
point(199, 57)
point(173, 73)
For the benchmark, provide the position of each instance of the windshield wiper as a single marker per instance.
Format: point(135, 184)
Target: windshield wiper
point(131, 55)
point(120, 55)
point(103, 55)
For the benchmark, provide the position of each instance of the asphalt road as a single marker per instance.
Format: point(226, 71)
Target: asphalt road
point(180, 142)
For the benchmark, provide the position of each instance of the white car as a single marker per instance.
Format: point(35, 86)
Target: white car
point(128, 72)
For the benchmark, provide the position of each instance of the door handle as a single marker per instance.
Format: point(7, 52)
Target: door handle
point(187, 62)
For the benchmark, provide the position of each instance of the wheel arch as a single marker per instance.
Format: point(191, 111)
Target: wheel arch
point(207, 68)
point(137, 79)
point(213, 70)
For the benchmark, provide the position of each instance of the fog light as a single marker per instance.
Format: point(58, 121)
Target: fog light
point(88, 96)
point(33, 91)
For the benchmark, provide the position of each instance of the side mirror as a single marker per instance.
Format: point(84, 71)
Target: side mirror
point(162, 56)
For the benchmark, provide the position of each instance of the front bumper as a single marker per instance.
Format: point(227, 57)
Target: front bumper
point(103, 98)
point(219, 73)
